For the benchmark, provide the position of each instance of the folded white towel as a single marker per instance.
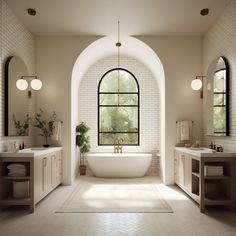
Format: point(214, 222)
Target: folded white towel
point(16, 174)
point(57, 131)
point(16, 166)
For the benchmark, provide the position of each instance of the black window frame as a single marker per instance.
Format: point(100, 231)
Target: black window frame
point(226, 95)
point(138, 107)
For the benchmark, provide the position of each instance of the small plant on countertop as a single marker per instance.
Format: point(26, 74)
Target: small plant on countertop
point(22, 127)
point(45, 126)
point(82, 141)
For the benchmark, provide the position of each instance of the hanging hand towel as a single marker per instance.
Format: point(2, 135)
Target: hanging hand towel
point(57, 131)
point(184, 130)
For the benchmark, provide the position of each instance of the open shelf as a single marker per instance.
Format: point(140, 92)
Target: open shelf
point(15, 178)
point(195, 185)
point(217, 201)
point(218, 177)
point(4, 170)
point(195, 166)
point(15, 201)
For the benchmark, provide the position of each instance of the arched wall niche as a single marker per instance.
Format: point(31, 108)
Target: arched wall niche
point(105, 47)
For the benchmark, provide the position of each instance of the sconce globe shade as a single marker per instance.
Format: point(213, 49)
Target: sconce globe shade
point(36, 84)
point(21, 84)
point(196, 84)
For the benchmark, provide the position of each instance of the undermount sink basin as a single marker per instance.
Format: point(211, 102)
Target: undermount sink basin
point(197, 148)
point(38, 148)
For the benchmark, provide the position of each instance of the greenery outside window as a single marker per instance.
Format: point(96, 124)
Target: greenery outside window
point(118, 108)
point(219, 102)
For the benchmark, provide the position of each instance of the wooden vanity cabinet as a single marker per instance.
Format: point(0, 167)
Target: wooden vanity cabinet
point(48, 174)
point(189, 176)
point(43, 171)
point(182, 170)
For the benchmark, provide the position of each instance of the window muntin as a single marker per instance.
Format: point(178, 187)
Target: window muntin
point(118, 108)
point(219, 101)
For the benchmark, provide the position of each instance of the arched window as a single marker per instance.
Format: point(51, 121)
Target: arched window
point(118, 108)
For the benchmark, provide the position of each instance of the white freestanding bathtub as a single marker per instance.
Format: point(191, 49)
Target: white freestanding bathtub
point(119, 165)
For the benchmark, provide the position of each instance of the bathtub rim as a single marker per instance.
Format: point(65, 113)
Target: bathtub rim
point(125, 154)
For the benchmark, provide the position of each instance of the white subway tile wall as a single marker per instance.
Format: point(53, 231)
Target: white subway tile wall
point(220, 40)
point(16, 40)
point(149, 105)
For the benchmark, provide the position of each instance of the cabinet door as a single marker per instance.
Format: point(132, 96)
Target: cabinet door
point(179, 164)
point(176, 167)
point(38, 178)
point(181, 170)
point(47, 174)
point(187, 173)
point(56, 169)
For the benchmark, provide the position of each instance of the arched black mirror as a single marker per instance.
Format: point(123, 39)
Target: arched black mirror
point(217, 92)
point(16, 99)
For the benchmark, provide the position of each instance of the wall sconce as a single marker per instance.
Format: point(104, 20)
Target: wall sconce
point(35, 84)
point(197, 84)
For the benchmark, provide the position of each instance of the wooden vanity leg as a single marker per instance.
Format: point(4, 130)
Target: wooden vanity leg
point(32, 208)
point(202, 187)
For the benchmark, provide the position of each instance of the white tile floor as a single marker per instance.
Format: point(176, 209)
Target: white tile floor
point(186, 219)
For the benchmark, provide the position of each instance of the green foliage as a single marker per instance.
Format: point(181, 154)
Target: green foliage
point(82, 140)
point(22, 127)
point(46, 126)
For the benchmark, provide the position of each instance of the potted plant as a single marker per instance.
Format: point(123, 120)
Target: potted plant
point(82, 141)
point(46, 126)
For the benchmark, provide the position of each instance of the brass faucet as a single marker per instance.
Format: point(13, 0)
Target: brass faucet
point(117, 147)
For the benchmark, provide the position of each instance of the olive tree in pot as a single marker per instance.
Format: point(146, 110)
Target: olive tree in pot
point(46, 126)
point(82, 141)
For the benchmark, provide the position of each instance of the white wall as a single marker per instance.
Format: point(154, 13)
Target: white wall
point(220, 40)
point(15, 40)
point(149, 103)
point(181, 57)
point(55, 58)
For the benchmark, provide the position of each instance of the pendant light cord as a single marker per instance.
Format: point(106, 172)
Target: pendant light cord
point(118, 44)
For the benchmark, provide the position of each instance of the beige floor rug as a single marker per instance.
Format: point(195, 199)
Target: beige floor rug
point(115, 195)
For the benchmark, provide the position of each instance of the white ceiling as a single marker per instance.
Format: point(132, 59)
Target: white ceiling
point(99, 17)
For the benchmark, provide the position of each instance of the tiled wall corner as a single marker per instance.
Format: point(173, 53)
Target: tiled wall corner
point(220, 40)
point(16, 40)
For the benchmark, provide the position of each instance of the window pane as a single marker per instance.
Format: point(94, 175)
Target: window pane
point(124, 138)
point(108, 99)
point(118, 119)
point(220, 81)
point(219, 99)
point(109, 82)
point(127, 82)
point(128, 99)
point(219, 119)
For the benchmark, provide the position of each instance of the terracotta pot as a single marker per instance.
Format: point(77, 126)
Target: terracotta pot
point(82, 170)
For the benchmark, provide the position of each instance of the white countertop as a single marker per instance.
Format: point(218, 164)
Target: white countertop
point(31, 152)
point(205, 152)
